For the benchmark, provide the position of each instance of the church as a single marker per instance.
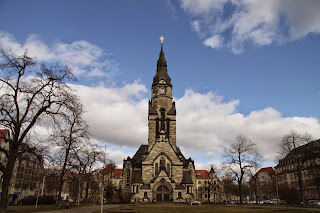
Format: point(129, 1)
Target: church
point(159, 171)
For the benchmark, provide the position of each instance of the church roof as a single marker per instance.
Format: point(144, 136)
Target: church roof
point(145, 186)
point(172, 111)
point(136, 176)
point(152, 111)
point(179, 187)
point(162, 73)
point(137, 158)
point(186, 179)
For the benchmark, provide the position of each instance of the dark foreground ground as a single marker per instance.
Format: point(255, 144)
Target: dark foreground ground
point(184, 208)
point(172, 208)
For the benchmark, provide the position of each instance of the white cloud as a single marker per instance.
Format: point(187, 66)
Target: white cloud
point(214, 42)
point(205, 123)
point(84, 58)
point(116, 115)
point(260, 22)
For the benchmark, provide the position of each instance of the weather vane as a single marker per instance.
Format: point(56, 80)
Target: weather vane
point(161, 38)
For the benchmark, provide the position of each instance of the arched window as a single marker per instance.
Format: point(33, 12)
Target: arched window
point(128, 176)
point(145, 195)
point(156, 169)
point(168, 169)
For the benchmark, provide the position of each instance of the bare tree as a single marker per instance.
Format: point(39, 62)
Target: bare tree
point(28, 94)
point(239, 158)
point(71, 134)
point(229, 187)
point(85, 164)
point(289, 146)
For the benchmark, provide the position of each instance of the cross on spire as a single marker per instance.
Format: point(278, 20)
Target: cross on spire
point(161, 38)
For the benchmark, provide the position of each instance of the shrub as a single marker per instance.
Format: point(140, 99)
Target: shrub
point(43, 200)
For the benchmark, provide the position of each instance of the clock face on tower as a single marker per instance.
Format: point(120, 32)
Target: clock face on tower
point(162, 91)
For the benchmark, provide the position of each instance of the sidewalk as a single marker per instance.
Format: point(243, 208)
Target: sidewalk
point(85, 209)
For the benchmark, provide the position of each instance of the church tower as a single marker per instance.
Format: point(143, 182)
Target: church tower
point(162, 110)
point(159, 171)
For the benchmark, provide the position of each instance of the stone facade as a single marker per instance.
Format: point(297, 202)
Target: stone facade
point(286, 171)
point(159, 171)
point(263, 185)
point(208, 187)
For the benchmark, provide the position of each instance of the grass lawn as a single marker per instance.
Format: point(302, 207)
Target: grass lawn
point(183, 208)
point(30, 208)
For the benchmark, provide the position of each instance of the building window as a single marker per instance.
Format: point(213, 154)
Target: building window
point(179, 195)
point(137, 189)
point(145, 195)
point(168, 169)
point(156, 169)
point(128, 176)
point(199, 182)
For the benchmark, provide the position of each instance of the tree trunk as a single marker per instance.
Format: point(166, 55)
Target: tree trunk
point(240, 193)
point(87, 191)
point(300, 181)
point(7, 174)
point(59, 199)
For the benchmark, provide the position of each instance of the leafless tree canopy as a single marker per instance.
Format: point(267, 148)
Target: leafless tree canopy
point(239, 158)
point(29, 93)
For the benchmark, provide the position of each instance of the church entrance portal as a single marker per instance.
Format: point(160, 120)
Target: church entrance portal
point(162, 194)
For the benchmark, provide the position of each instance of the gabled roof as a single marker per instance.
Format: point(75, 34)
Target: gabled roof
point(269, 170)
point(202, 174)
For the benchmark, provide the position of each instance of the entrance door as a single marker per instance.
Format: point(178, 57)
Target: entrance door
point(162, 194)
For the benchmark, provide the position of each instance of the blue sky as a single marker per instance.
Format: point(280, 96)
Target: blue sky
point(249, 67)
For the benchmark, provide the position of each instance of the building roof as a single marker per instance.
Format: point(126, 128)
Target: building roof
point(108, 169)
point(304, 148)
point(307, 149)
point(117, 173)
point(202, 174)
point(3, 134)
point(269, 170)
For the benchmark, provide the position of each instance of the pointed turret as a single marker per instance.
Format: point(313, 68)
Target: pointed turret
point(162, 73)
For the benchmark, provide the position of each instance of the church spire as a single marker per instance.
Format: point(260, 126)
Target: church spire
point(162, 73)
point(162, 63)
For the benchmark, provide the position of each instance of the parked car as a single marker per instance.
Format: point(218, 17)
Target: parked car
point(310, 202)
point(195, 202)
point(275, 201)
point(316, 203)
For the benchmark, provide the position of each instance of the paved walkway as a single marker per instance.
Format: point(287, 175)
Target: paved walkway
point(85, 209)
